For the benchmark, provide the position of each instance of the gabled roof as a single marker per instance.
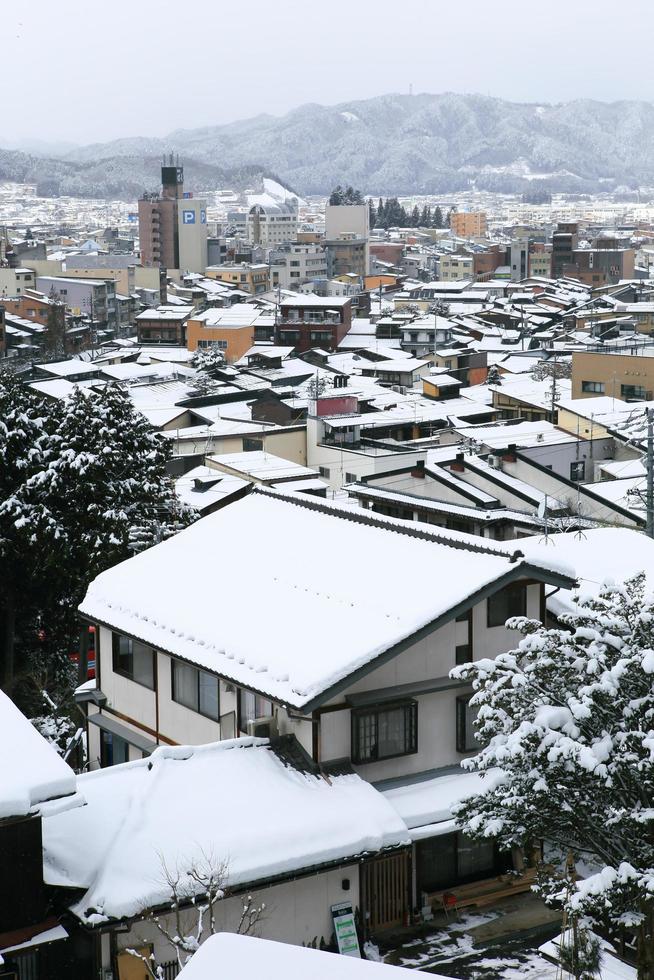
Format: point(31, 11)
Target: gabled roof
point(328, 601)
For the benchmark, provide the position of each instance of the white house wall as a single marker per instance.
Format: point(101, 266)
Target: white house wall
point(296, 912)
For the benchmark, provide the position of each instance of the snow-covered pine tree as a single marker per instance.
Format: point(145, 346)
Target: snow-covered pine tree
point(99, 494)
point(566, 723)
point(27, 528)
point(206, 361)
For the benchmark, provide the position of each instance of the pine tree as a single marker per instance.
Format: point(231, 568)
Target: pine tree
point(94, 489)
point(425, 221)
point(566, 724)
point(372, 214)
point(437, 221)
point(415, 217)
point(336, 196)
point(26, 534)
point(207, 361)
point(380, 214)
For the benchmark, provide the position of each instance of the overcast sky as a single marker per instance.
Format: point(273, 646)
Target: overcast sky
point(87, 71)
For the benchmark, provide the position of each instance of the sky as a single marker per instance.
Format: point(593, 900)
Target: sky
point(84, 71)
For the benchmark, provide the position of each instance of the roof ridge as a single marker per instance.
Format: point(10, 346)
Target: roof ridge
point(375, 520)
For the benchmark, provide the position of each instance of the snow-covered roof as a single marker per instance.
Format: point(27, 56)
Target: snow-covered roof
point(203, 487)
point(428, 798)
point(597, 555)
point(32, 772)
point(261, 465)
point(183, 803)
point(64, 369)
point(317, 621)
point(227, 954)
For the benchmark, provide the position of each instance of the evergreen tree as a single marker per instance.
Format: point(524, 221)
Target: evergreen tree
point(566, 723)
point(415, 217)
point(336, 196)
point(437, 221)
point(372, 214)
point(206, 361)
point(94, 490)
point(380, 214)
point(425, 217)
point(26, 445)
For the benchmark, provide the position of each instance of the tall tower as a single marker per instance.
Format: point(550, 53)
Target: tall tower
point(159, 218)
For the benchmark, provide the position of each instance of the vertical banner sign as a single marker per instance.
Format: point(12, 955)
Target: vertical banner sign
point(346, 930)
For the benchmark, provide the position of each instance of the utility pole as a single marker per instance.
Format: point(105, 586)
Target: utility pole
point(650, 472)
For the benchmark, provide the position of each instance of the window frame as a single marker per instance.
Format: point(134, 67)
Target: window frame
point(411, 724)
point(511, 587)
point(462, 706)
point(198, 671)
point(115, 654)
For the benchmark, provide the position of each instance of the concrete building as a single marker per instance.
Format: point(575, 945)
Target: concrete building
point(468, 224)
point(347, 234)
point(232, 329)
point(540, 260)
point(271, 224)
point(519, 259)
point(453, 267)
point(313, 321)
point(250, 277)
point(605, 263)
point(627, 376)
point(14, 282)
point(172, 225)
point(564, 241)
point(93, 298)
point(298, 263)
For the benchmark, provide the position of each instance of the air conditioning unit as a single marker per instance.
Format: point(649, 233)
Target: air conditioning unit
point(495, 462)
point(265, 727)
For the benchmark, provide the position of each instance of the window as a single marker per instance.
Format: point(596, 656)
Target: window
point(577, 470)
point(113, 749)
point(384, 732)
point(350, 478)
point(133, 659)
point(252, 445)
point(250, 707)
point(465, 733)
point(324, 471)
point(454, 858)
point(463, 653)
point(195, 689)
point(509, 601)
point(596, 387)
point(633, 391)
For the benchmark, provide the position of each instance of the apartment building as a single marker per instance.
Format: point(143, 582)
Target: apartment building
point(271, 224)
point(14, 282)
point(299, 263)
point(347, 234)
point(454, 267)
point(313, 321)
point(468, 224)
point(249, 277)
point(92, 298)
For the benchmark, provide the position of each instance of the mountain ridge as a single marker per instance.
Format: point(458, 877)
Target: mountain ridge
point(396, 144)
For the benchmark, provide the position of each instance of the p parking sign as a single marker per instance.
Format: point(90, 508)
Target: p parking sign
point(188, 217)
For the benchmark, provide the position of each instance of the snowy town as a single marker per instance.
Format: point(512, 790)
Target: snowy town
point(327, 564)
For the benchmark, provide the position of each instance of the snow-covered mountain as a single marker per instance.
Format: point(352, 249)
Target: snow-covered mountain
point(397, 144)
